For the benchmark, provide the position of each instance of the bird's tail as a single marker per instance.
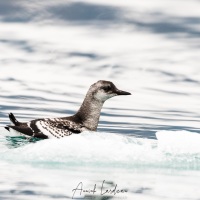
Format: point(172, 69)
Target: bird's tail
point(14, 120)
point(7, 128)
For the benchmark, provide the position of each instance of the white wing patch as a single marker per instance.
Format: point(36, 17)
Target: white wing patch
point(57, 128)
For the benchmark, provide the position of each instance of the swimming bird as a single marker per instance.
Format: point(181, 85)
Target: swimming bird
point(86, 119)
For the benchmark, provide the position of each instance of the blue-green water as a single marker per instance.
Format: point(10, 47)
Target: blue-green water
point(106, 150)
point(53, 168)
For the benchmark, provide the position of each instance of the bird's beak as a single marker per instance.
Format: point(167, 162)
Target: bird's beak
point(121, 92)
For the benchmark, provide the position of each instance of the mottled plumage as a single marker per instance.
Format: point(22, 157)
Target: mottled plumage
point(86, 118)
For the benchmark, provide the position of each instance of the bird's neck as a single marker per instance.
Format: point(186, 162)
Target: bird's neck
point(89, 112)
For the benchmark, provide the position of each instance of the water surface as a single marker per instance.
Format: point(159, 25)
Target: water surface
point(147, 143)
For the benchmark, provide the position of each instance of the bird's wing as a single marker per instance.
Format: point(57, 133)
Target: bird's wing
point(48, 128)
point(27, 131)
point(56, 127)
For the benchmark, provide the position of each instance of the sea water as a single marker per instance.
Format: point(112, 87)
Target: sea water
point(147, 145)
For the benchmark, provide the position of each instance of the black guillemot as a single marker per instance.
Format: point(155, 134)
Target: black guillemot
point(86, 119)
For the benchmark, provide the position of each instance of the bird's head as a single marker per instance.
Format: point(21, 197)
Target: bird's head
point(103, 90)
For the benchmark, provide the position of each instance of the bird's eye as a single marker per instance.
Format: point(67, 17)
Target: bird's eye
point(106, 88)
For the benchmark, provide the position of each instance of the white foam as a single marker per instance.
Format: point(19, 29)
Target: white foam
point(178, 141)
point(172, 150)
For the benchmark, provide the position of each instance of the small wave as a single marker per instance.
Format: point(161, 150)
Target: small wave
point(179, 142)
point(173, 149)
